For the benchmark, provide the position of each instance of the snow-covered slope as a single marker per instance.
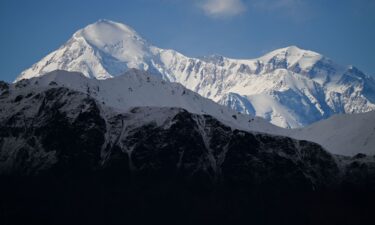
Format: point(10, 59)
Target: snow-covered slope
point(289, 87)
point(137, 88)
point(342, 134)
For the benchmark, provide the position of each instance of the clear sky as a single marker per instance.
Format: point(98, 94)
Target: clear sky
point(343, 30)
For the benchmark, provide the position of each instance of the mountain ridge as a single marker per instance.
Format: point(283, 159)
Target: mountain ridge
point(137, 88)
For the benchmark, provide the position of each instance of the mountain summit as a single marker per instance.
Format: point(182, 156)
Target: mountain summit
point(290, 87)
point(115, 39)
point(100, 50)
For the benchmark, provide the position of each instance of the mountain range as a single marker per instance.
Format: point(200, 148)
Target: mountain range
point(289, 87)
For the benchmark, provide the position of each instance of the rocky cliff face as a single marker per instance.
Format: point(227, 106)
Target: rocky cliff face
point(63, 151)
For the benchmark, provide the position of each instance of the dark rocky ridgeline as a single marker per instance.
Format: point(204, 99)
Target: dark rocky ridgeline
point(67, 159)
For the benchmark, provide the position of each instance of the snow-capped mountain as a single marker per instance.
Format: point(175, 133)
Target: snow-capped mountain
point(290, 87)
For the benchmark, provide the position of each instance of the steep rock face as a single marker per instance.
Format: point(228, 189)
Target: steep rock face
point(290, 87)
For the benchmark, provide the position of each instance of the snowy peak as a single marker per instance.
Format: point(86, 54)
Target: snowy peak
point(292, 56)
point(119, 40)
point(100, 50)
point(116, 39)
point(105, 32)
point(292, 52)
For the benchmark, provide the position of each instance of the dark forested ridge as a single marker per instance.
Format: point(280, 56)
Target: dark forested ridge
point(67, 159)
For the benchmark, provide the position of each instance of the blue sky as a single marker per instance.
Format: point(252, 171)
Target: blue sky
point(343, 30)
